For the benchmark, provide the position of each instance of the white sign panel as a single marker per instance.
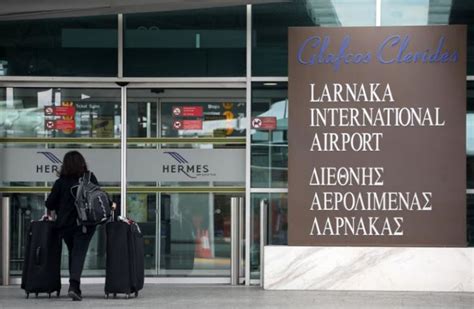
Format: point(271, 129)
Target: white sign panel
point(193, 165)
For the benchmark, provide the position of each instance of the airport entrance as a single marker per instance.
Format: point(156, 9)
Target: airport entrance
point(171, 155)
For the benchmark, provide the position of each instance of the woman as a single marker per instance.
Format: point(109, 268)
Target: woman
point(61, 200)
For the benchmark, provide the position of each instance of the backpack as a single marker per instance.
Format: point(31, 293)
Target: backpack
point(92, 203)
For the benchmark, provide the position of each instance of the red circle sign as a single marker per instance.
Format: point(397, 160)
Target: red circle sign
point(177, 111)
point(257, 123)
point(50, 124)
point(177, 125)
point(48, 111)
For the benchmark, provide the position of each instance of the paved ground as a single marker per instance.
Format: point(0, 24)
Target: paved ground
point(189, 296)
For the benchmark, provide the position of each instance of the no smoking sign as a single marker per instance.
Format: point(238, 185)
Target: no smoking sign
point(264, 123)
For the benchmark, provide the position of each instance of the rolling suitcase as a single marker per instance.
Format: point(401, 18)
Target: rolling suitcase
point(125, 268)
point(42, 264)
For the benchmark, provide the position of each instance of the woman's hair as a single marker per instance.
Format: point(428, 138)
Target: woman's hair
point(74, 165)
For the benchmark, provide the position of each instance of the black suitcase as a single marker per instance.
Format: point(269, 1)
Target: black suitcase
point(42, 264)
point(125, 261)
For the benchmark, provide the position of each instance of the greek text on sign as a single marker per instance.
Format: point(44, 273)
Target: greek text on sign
point(264, 123)
point(187, 111)
point(59, 110)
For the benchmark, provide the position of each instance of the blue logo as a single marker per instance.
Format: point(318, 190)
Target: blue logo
point(394, 49)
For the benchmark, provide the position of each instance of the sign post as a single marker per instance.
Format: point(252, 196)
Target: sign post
point(377, 136)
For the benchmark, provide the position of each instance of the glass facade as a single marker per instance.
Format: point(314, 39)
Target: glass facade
point(270, 24)
point(432, 12)
point(192, 54)
point(209, 42)
point(470, 161)
point(23, 116)
point(277, 225)
point(194, 228)
point(85, 46)
point(97, 112)
point(270, 146)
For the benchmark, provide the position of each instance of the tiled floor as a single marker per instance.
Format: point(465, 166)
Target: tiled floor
point(191, 296)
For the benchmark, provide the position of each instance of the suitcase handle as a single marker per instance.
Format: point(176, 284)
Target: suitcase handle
point(38, 256)
point(46, 218)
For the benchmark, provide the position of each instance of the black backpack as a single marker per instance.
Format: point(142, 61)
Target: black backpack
point(92, 203)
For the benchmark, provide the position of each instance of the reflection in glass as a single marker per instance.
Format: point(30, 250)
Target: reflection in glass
point(277, 225)
point(141, 208)
point(205, 42)
point(432, 12)
point(413, 12)
point(186, 113)
point(470, 135)
point(347, 13)
point(470, 161)
point(96, 112)
point(270, 24)
point(85, 46)
point(24, 208)
point(195, 235)
point(462, 13)
point(270, 146)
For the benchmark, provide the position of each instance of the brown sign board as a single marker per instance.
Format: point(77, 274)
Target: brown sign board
point(377, 133)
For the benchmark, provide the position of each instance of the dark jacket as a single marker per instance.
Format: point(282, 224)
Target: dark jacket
point(61, 200)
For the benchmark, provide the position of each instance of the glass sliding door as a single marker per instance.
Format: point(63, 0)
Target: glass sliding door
point(185, 161)
point(37, 127)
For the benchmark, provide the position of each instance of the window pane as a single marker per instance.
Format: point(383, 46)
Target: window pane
point(270, 24)
point(432, 12)
point(96, 112)
point(91, 113)
point(195, 235)
point(206, 42)
point(277, 226)
point(470, 135)
point(462, 12)
point(59, 47)
point(270, 146)
point(412, 12)
point(168, 112)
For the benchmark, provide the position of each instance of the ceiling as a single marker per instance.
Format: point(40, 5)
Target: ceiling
point(36, 9)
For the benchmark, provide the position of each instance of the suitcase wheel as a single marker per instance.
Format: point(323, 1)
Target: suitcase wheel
point(106, 296)
point(58, 293)
point(127, 296)
point(27, 295)
point(115, 295)
point(49, 295)
point(136, 294)
point(36, 294)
